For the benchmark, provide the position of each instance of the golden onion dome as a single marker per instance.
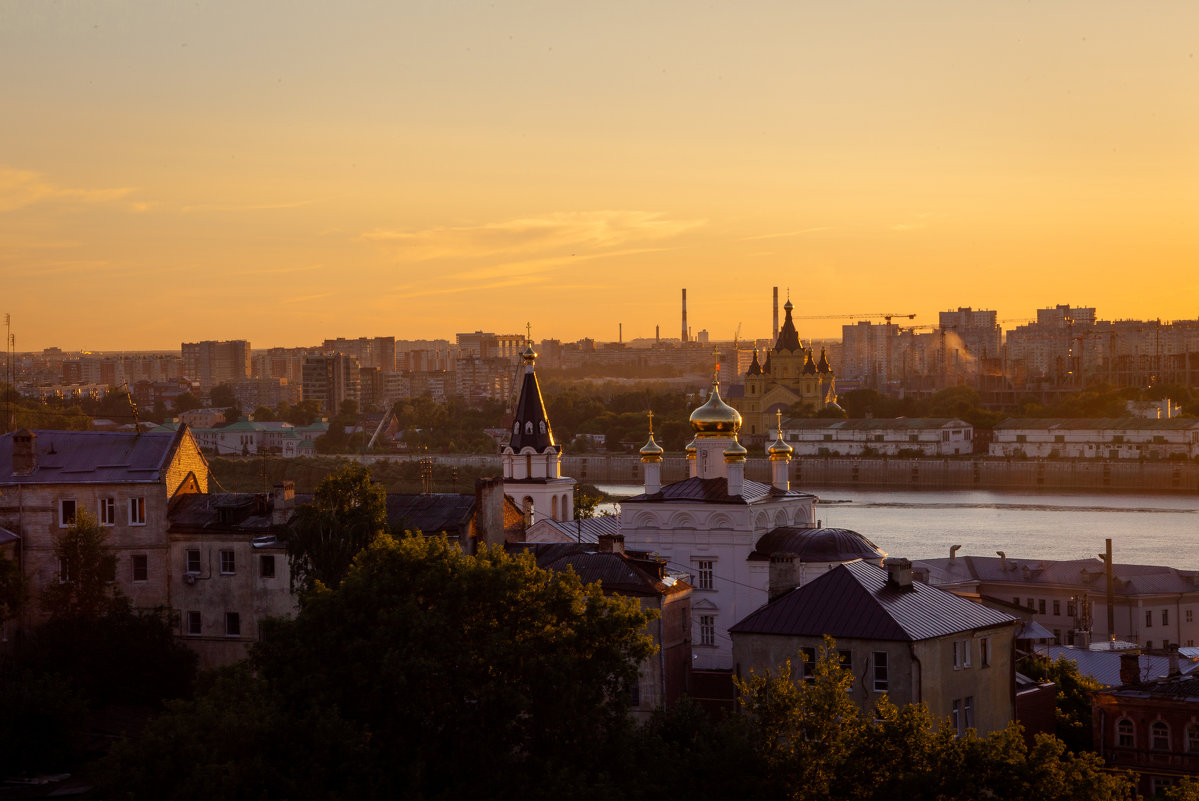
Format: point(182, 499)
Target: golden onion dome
point(780, 448)
point(735, 452)
point(528, 355)
point(691, 449)
point(715, 418)
point(651, 451)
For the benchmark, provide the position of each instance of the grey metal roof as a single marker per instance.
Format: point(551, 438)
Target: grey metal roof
point(1099, 423)
point(854, 601)
point(1104, 666)
point(716, 490)
point(1084, 573)
point(617, 573)
point(431, 514)
point(227, 511)
point(875, 423)
point(816, 545)
point(92, 457)
point(586, 530)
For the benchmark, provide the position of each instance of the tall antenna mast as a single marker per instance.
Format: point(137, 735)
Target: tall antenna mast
point(9, 351)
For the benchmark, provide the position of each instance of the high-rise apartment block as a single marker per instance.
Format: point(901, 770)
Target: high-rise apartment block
point(210, 363)
point(377, 352)
point(330, 379)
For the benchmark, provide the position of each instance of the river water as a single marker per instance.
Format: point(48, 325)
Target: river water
point(1145, 529)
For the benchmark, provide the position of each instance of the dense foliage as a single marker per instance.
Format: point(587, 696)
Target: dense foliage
point(1073, 702)
point(426, 673)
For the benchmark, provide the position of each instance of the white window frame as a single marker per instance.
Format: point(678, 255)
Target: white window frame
point(187, 561)
point(705, 574)
point(968, 712)
point(1157, 740)
point(961, 654)
point(235, 629)
point(264, 560)
point(1126, 732)
point(881, 674)
point(133, 558)
point(107, 511)
point(63, 521)
point(707, 630)
point(984, 651)
point(193, 624)
point(229, 569)
point(137, 511)
point(1192, 735)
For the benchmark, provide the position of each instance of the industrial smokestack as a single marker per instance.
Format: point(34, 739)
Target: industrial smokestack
point(776, 314)
point(684, 315)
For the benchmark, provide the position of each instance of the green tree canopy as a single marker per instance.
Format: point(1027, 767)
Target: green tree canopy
point(347, 512)
point(87, 587)
point(1073, 702)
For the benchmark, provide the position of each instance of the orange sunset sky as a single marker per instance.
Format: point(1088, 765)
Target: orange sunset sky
point(286, 171)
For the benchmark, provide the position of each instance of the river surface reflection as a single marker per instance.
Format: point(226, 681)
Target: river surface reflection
point(1145, 529)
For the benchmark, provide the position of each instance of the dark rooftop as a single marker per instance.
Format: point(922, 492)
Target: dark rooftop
point(715, 490)
point(92, 457)
point(816, 545)
point(854, 601)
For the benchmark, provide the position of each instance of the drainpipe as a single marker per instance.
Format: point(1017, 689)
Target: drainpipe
point(917, 675)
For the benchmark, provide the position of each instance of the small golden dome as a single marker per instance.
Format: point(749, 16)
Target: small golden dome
point(691, 449)
point(780, 449)
point(528, 354)
point(651, 451)
point(715, 418)
point(735, 452)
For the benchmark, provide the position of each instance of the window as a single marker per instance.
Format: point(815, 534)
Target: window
point(232, 624)
point(846, 659)
point(809, 663)
point(1041, 606)
point(1159, 736)
point(984, 651)
point(1190, 616)
point(141, 567)
point(1165, 617)
point(137, 511)
point(108, 511)
point(1148, 619)
point(961, 654)
point(193, 624)
point(1071, 607)
point(955, 718)
point(880, 671)
point(1059, 437)
point(1193, 738)
point(266, 566)
point(1057, 636)
point(193, 560)
point(1149, 645)
point(66, 513)
point(1015, 601)
point(1032, 605)
point(707, 629)
point(968, 712)
point(64, 571)
point(703, 574)
point(1125, 736)
point(1057, 608)
point(228, 563)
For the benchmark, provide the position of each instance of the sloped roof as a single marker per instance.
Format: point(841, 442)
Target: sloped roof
point(1104, 666)
point(241, 511)
point(875, 423)
point(1099, 423)
point(1129, 579)
point(431, 514)
point(531, 425)
point(715, 490)
point(816, 545)
point(788, 338)
point(7, 536)
point(617, 573)
point(93, 457)
point(854, 601)
point(586, 530)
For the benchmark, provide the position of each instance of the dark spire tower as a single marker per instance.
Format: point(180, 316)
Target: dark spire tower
point(775, 334)
point(684, 315)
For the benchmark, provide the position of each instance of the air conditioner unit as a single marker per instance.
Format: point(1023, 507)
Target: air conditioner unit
point(189, 578)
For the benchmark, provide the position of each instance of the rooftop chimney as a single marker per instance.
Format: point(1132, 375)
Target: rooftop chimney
point(1130, 668)
point(284, 503)
point(784, 574)
point(899, 573)
point(610, 543)
point(24, 452)
point(1175, 669)
point(489, 511)
point(953, 552)
point(1003, 556)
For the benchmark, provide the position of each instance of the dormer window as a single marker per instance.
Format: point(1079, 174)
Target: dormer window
point(541, 425)
point(529, 427)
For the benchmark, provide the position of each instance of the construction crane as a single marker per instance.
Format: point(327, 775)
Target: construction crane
point(872, 316)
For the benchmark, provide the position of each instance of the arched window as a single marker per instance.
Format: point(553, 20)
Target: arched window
point(527, 504)
point(1159, 736)
point(516, 428)
point(1125, 734)
point(541, 426)
point(529, 427)
point(554, 507)
point(1193, 738)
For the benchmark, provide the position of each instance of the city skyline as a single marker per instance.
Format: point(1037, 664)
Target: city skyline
point(285, 172)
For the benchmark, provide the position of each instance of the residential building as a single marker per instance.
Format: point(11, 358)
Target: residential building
point(898, 637)
point(331, 379)
point(1151, 606)
point(1097, 438)
point(903, 436)
point(376, 352)
point(210, 363)
point(127, 481)
point(664, 676)
point(1151, 728)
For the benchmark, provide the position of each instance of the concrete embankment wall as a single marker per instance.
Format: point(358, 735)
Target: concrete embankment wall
point(899, 474)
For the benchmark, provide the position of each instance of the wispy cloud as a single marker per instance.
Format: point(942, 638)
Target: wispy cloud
point(21, 188)
point(783, 234)
point(561, 234)
point(289, 204)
